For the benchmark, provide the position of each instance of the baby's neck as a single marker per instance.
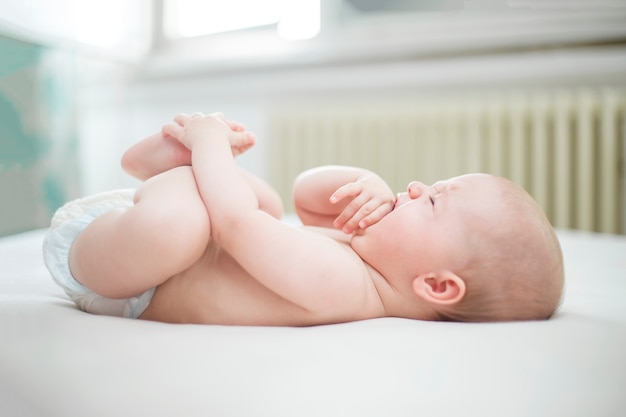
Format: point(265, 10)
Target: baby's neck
point(400, 302)
point(394, 301)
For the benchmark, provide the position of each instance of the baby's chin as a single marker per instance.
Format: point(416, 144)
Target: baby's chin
point(360, 231)
point(360, 237)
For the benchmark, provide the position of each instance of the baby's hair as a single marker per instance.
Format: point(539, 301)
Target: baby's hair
point(517, 272)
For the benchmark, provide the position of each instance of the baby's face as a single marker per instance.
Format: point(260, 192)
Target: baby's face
point(433, 224)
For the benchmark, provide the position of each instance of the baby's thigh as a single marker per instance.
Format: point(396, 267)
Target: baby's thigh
point(173, 200)
point(173, 185)
point(124, 252)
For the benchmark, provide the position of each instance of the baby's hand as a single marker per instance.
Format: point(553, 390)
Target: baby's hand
point(372, 199)
point(242, 142)
point(188, 128)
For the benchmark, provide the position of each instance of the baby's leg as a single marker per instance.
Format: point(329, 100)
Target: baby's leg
point(154, 155)
point(158, 153)
point(124, 252)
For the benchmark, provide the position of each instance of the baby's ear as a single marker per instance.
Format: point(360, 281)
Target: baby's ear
point(443, 287)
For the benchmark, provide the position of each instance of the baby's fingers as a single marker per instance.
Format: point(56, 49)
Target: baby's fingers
point(367, 214)
point(351, 189)
point(375, 216)
point(174, 131)
point(241, 142)
point(355, 215)
point(236, 126)
point(182, 119)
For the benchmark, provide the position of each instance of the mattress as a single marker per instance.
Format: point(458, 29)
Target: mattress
point(58, 361)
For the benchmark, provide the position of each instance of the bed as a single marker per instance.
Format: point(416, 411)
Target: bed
point(58, 361)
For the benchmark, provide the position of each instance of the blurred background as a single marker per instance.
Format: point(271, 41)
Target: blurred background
point(415, 89)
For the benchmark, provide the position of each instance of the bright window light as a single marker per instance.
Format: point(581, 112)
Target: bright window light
point(92, 22)
point(84, 22)
point(187, 18)
point(295, 19)
point(299, 19)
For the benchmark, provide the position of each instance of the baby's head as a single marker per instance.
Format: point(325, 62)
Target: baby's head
point(472, 248)
point(516, 269)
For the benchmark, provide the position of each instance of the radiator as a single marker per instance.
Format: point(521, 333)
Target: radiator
point(565, 147)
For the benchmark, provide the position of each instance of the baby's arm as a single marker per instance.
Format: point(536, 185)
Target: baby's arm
point(309, 269)
point(347, 198)
point(225, 191)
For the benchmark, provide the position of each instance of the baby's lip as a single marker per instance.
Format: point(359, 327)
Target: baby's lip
point(400, 200)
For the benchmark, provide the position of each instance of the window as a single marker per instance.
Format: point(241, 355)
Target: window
point(88, 24)
point(293, 19)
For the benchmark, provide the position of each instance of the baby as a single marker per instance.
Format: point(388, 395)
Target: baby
point(201, 241)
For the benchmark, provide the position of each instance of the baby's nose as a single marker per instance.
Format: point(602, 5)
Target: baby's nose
point(415, 189)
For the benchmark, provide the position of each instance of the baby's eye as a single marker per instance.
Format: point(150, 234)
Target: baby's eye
point(432, 200)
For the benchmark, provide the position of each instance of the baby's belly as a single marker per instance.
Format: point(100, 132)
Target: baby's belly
point(219, 291)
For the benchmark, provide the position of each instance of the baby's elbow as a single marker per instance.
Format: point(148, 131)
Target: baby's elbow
point(273, 206)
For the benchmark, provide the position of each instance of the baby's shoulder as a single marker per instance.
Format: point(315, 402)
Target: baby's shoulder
point(353, 280)
point(339, 244)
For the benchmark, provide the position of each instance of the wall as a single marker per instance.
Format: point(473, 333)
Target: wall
point(49, 53)
point(122, 97)
point(38, 143)
point(251, 95)
point(368, 59)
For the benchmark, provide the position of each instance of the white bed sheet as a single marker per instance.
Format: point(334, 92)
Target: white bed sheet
point(58, 361)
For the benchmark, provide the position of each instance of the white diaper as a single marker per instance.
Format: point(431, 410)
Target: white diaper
point(67, 223)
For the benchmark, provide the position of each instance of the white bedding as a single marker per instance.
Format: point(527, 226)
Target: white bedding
point(58, 361)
